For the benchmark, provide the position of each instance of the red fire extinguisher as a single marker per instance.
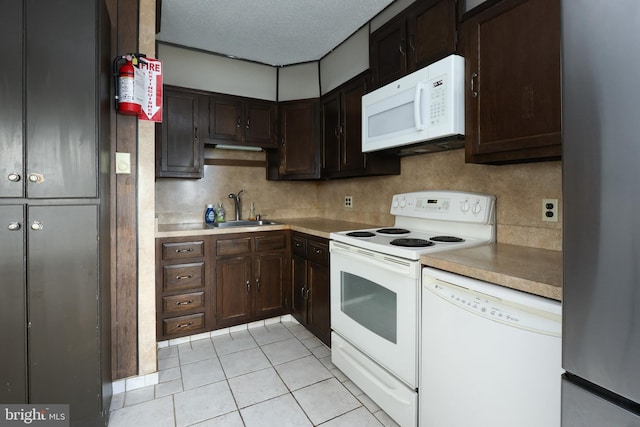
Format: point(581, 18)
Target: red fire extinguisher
point(126, 100)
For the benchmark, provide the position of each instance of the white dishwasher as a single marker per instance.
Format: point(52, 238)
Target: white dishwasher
point(489, 355)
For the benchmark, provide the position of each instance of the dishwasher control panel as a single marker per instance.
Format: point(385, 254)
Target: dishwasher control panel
point(483, 302)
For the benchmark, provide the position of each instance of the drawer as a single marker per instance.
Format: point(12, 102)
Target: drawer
point(299, 246)
point(271, 242)
point(318, 253)
point(233, 246)
point(183, 324)
point(182, 250)
point(182, 303)
point(183, 276)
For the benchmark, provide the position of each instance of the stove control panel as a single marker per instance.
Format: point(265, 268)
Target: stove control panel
point(445, 205)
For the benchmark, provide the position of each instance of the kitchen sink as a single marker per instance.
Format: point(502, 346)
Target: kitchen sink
point(243, 223)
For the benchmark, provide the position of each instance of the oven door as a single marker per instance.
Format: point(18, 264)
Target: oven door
point(374, 306)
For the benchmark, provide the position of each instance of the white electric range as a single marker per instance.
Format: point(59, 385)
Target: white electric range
point(375, 290)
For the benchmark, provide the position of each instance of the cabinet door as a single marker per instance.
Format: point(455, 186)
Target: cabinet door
point(331, 134)
point(13, 308)
point(388, 52)
point(234, 283)
point(271, 280)
point(299, 150)
point(226, 121)
point(64, 358)
point(299, 282)
point(179, 149)
point(513, 77)
point(318, 303)
point(61, 121)
point(11, 139)
point(351, 156)
point(431, 29)
point(260, 124)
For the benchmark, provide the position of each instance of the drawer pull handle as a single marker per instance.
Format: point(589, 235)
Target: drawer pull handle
point(184, 302)
point(189, 276)
point(318, 251)
point(180, 251)
point(14, 226)
point(184, 325)
point(13, 177)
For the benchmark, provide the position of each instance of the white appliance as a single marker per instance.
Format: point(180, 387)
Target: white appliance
point(426, 105)
point(375, 290)
point(490, 356)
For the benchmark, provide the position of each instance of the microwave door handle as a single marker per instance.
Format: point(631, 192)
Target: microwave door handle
point(417, 107)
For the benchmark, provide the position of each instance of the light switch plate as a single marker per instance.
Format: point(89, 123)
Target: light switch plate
point(123, 163)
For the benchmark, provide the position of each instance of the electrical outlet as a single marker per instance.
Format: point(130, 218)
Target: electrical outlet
point(550, 210)
point(348, 201)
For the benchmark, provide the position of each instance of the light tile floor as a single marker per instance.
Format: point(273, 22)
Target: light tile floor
point(275, 375)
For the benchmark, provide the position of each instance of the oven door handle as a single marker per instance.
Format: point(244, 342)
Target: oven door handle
point(388, 262)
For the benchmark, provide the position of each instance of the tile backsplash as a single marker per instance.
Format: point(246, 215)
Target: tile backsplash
point(519, 190)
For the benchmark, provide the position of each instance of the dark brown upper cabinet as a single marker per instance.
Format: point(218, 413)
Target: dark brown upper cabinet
point(235, 120)
point(298, 153)
point(420, 35)
point(513, 93)
point(342, 135)
point(179, 147)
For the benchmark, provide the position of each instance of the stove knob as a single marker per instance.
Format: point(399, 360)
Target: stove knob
point(395, 203)
point(464, 206)
point(403, 203)
point(476, 208)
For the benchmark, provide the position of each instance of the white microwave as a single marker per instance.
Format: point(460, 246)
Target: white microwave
point(426, 105)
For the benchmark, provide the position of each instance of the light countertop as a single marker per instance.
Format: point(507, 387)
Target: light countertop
point(533, 270)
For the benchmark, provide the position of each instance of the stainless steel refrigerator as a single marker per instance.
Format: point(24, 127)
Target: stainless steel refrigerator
point(601, 191)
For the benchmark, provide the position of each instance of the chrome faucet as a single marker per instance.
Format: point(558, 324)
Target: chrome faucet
point(236, 200)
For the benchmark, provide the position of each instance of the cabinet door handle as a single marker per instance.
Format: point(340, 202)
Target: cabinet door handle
point(248, 125)
point(179, 251)
point(302, 291)
point(474, 92)
point(318, 251)
point(238, 123)
point(37, 225)
point(189, 276)
point(14, 226)
point(184, 302)
point(13, 177)
point(308, 297)
point(248, 286)
point(195, 133)
point(401, 47)
point(258, 284)
point(36, 177)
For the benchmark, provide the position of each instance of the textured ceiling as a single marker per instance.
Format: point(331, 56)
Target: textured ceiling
point(274, 32)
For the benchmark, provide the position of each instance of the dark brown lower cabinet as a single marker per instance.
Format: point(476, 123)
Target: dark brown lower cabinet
point(310, 284)
point(252, 277)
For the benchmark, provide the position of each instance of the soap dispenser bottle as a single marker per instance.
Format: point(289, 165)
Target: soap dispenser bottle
point(220, 213)
point(252, 212)
point(209, 215)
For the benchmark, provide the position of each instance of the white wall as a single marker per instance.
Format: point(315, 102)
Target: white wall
point(346, 61)
point(215, 73)
point(298, 82)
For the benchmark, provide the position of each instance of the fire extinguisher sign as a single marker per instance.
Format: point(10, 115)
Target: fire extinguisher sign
point(151, 102)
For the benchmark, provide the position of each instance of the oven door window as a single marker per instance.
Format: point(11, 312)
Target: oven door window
point(369, 304)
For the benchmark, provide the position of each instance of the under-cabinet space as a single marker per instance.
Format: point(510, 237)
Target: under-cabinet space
point(252, 277)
